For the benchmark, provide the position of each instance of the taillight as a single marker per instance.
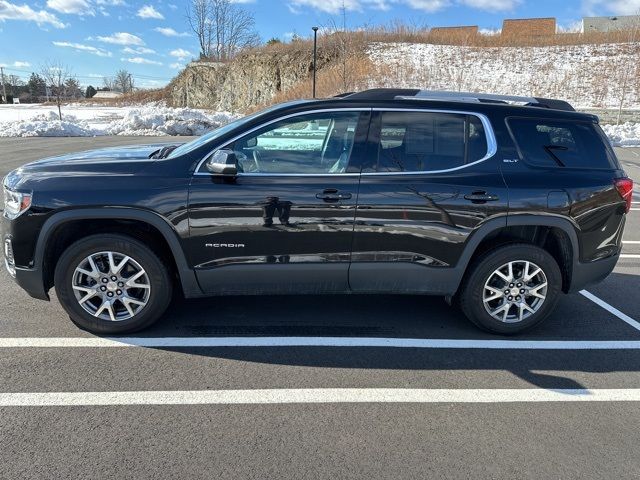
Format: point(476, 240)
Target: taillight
point(625, 189)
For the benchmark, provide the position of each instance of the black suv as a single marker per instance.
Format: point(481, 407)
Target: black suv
point(497, 203)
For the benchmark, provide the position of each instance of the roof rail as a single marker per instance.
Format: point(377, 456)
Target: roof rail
point(383, 94)
point(434, 95)
point(490, 98)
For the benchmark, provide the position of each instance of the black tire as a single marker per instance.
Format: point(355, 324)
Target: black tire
point(471, 293)
point(159, 279)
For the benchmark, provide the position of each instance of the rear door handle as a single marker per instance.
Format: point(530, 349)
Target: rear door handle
point(481, 197)
point(333, 195)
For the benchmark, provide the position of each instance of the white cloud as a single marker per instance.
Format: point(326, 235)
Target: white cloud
point(335, 6)
point(328, 6)
point(17, 64)
point(615, 7)
point(78, 7)
point(177, 65)
point(11, 11)
point(428, 5)
point(138, 50)
point(180, 53)
point(492, 5)
point(170, 32)
point(84, 48)
point(148, 11)
point(140, 61)
point(122, 38)
point(111, 3)
point(172, 6)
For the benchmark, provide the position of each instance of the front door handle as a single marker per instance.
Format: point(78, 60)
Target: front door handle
point(333, 195)
point(481, 197)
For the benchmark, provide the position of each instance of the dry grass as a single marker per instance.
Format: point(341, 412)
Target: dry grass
point(399, 32)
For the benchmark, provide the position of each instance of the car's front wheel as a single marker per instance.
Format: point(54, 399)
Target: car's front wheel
point(511, 289)
point(111, 284)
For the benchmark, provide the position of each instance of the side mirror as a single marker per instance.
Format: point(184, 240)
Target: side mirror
point(223, 162)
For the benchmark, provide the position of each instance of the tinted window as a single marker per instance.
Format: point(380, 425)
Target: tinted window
point(562, 144)
point(306, 144)
point(415, 141)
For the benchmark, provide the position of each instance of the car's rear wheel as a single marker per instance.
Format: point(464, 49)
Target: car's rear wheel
point(112, 284)
point(511, 289)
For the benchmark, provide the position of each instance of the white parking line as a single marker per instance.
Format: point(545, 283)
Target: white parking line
point(611, 309)
point(628, 255)
point(316, 395)
point(343, 342)
point(631, 242)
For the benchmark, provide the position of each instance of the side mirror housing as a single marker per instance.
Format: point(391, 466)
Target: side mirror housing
point(223, 162)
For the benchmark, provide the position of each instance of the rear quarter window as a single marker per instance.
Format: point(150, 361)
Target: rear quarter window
point(562, 144)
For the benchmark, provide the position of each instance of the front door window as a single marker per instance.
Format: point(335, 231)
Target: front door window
point(319, 143)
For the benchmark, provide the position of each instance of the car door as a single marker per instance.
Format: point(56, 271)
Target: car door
point(429, 180)
point(284, 222)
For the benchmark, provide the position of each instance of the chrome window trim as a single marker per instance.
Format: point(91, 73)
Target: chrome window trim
point(279, 119)
point(492, 143)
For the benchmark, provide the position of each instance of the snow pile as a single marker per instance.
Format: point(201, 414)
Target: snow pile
point(624, 135)
point(585, 75)
point(148, 120)
point(47, 125)
point(156, 121)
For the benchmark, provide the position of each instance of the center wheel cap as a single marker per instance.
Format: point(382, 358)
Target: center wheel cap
point(112, 286)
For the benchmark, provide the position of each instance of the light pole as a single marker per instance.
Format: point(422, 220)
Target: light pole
point(315, 57)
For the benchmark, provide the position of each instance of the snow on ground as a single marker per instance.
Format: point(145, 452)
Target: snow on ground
point(86, 121)
point(624, 135)
point(587, 76)
point(29, 120)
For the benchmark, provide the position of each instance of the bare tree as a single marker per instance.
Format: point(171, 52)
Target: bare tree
point(14, 82)
point(123, 81)
point(343, 45)
point(627, 68)
point(56, 74)
point(199, 18)
point(223, 28)
point(107, 82)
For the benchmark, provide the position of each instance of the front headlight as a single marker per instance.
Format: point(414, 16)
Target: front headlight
point(15, 203)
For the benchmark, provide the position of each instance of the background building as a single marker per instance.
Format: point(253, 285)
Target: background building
point(610, 24)
point(529, 27)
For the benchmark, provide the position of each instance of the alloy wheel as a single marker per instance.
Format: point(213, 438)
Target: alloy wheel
point(515, 291)
point(111, 286)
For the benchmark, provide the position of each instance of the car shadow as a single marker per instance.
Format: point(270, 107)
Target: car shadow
point(388, 316)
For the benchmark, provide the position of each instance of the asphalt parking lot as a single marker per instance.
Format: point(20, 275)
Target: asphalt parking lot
point(322, 387)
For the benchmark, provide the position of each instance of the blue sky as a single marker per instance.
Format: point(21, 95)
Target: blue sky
point(151, 38)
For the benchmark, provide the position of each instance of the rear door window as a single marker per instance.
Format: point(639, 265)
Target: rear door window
point(426, 141)
point(562, 144)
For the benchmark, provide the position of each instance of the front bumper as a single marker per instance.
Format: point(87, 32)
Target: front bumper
point(31, 280)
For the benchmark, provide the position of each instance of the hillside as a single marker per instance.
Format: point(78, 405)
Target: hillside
point(590, 76)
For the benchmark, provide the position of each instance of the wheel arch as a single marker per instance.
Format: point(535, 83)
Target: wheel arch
point(156, 224)
point(553, 233)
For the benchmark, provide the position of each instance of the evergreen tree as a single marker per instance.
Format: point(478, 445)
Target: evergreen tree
point(36, 85)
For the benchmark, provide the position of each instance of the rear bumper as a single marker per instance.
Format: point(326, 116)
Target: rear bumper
point(585, 274)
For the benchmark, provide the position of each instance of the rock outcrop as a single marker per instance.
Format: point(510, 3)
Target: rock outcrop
point(251, 79)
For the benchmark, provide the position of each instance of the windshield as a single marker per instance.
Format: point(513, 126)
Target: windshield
point(218, 132)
